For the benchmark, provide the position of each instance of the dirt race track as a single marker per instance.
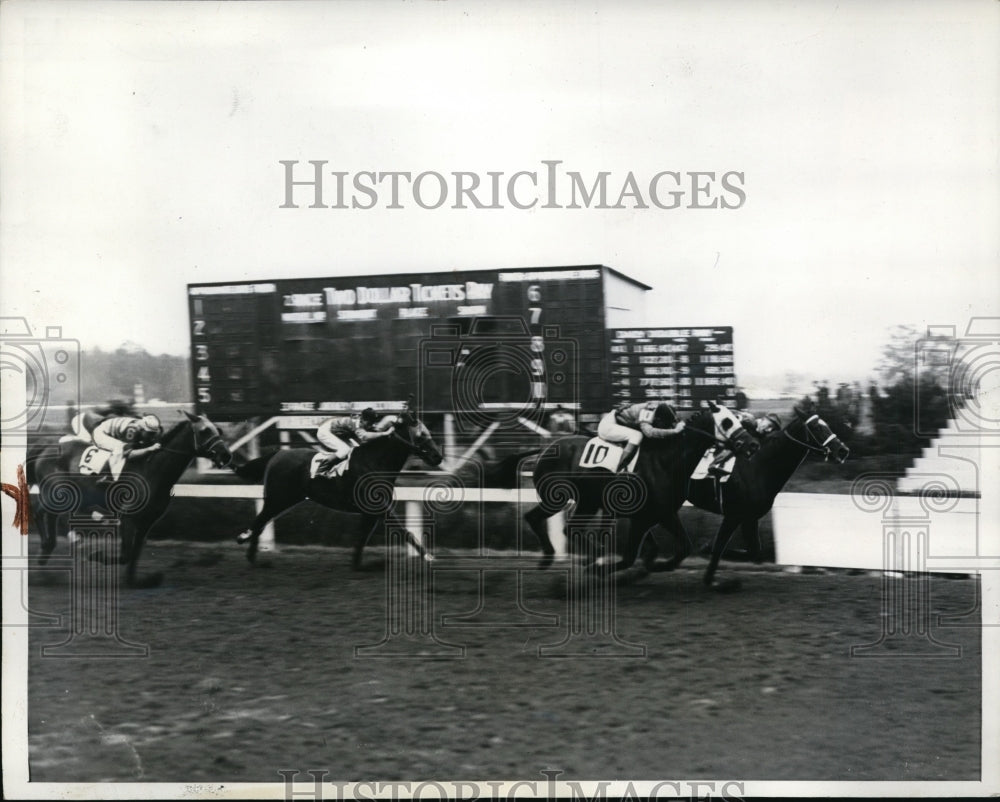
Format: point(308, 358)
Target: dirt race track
point(253, 670)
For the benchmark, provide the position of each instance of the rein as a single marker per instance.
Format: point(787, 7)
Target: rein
point(820, 449)
point(195, 450)
point(710, 435)
point(406, 441)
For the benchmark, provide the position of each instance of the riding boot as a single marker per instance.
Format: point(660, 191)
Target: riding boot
point(627, 453)
point(326, 466)
point(717, 468)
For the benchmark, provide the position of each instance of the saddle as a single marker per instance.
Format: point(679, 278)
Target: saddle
point(599, 453)
point(337, 470)
point(701, 471)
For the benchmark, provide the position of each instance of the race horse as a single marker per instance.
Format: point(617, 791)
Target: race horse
point(650, 495)
point(749, 492)
point(365, 487)
point(138, 498)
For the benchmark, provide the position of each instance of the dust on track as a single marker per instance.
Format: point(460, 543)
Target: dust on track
point(252, 670)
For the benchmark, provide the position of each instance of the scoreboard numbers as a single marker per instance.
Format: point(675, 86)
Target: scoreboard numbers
point(539, 387)
point(681, 366)
point(302, 346)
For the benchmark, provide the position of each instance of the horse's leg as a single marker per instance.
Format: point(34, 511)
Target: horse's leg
point(722, 538)
point(365, 530)
point(137, 541)
point(639, 527)
point(648, 552)
point(274, 505)
point(751, 537)
point(537, 519)
point(682, 543)
point(48, 525)
point(413, 541)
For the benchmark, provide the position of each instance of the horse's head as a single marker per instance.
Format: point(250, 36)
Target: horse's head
point(415, 434)
point(821, 439)
point(725, 428)
point(208, 442)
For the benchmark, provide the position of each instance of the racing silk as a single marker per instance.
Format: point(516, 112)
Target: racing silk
point(383, 425)
point(631, 422)
point(110, 434)
point(635, 415)
point(346, 427)
point(349, 427)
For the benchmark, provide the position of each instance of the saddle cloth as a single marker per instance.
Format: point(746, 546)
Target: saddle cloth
point(93, 460)
point(338, 470)
point(701, 472)
point(600, 453)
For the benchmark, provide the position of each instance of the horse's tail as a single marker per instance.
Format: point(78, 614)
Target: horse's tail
point(34, 454)
point(505, 472)
point(253, 471)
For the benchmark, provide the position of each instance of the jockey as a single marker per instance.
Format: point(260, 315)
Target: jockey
point(629, 423)
point(126, 438)
point(760, 427)
point(561, 422)
point(340, 434)
point(83, 423)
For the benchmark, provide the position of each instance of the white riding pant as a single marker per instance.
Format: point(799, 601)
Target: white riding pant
point(334, 444)
point(612, 431)
point(116, 462)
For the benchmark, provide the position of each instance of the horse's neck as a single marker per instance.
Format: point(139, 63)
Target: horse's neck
point(385, 454)
point(684, 451)
point(175, 454)
point(779, 458)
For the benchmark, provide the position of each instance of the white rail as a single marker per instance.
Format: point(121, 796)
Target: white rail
point(413, 496)
point(810, 529)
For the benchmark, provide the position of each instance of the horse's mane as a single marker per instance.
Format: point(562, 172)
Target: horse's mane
point(700, 415)
point(174, 430)
point(702, 420)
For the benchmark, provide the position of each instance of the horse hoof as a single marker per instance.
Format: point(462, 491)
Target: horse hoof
point(726, 586)
point(630, 575)
point(251, 556)
point(243, 537)
point(153, 580)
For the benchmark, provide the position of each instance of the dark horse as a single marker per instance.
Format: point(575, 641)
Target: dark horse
point(365, 487)
point(651, 495)
point(138, 498)
point(750, 491)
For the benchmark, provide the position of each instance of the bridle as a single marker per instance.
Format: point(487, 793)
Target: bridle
point(816, 449)
point(407, 441)
point(203, 450)
point(716, 428)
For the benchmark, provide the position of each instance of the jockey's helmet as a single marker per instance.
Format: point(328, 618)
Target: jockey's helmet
point(368, 416)
point(151, 423)
point(664, 415)
point(769, 423)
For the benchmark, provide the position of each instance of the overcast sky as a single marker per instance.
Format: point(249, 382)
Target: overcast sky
point(141, 149)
